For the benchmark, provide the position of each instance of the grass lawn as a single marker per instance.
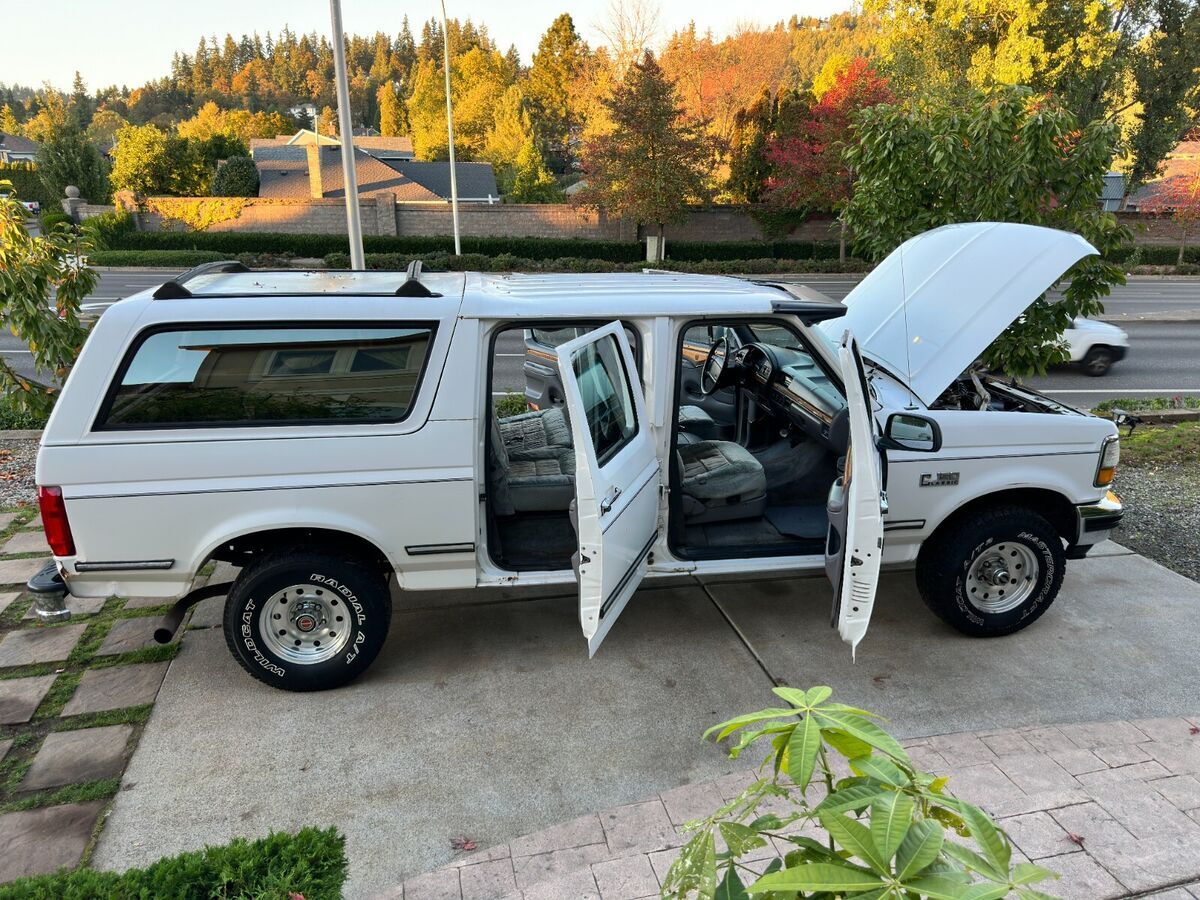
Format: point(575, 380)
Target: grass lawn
point(1155, 445)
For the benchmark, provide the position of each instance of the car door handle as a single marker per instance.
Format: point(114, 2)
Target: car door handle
point(610, 498)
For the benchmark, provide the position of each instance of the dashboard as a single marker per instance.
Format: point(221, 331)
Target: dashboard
point(792, 385)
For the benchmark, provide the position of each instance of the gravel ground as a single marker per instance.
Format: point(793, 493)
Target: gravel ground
point(17, 460)
point(1162, 515)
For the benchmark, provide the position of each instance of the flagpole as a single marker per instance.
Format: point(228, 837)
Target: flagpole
point(450, 132)
point(346, 132)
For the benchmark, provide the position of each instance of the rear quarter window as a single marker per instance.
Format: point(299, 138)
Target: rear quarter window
point(253, 376)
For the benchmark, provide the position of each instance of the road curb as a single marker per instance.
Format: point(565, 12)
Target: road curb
point(20, 434)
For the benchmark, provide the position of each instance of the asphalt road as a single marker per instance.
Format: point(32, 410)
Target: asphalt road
point(1162, 359)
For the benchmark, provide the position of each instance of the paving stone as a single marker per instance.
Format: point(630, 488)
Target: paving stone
point(4, 745)
point(1038, 835)
point(19, 571)
point(692, 801)
point(6, 520)
point(1180, 757)
point(1091, 822)
point(79, 606)
point(1183, 791)
point(984, 785)
point(116, 688)
point(927, 759)
point(20, 698)
point(1082, 879)
point(1143, 865)
point(1178, 893)
point(1174, 729)
point(208, 613)
point(734, 783)
point(35, 645)
point(1035, 772)
point(441, 884)
point(578, 885)
point(644, 826)
point(1041, 801)
point(576, 833)
point(1122, 754)
point(69, 757)
point(35, 522)
point(1145, 813)
point(27, 542)
point(962, 750)
point(1047, 738)
point(626, 878)
point(662, 860)
point(1137, 772)
point(1078, 762)
point(531, 870)
point(487, 880)
point(39, 841)
point(1005, 743)
point(130, 634)
point(501, 851)
point(7, 598)
point(1102, 734)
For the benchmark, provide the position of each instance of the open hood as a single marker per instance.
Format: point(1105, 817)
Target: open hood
point(964, 285)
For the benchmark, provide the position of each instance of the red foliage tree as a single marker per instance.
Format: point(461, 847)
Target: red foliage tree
point(806, 156)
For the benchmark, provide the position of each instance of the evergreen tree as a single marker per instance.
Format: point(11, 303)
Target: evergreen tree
point(654, 162)
point(391, 113)
point(556, 64)
point(69, 158)
point(532, 181)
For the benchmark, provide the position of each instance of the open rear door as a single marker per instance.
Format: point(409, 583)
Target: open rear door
point(616, 475)
point(854, 546)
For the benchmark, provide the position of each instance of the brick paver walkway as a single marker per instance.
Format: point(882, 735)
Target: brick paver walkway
point(73, 700)
point(1113, 807)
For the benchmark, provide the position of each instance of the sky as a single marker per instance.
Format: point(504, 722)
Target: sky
point(132, 41)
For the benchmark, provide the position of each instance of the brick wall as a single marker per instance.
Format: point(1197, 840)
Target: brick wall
point(1150, 229)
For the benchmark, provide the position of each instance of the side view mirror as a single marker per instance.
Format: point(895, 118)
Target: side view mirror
point(906, 431)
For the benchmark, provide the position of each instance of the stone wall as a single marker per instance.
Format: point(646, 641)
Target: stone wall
point(1150, 229)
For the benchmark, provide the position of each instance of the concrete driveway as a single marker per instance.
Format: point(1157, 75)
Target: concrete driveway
point(484, 718)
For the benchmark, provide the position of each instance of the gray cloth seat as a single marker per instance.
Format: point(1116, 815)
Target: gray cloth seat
point(695, 420)
point(720, 480)
point(536, 430)
point(534, 479)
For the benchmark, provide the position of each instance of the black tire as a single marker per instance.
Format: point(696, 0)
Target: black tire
point(352, 606)
point(1007, 533)
point(1098, 361)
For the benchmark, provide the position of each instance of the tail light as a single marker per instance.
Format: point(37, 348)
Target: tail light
point(54, 521)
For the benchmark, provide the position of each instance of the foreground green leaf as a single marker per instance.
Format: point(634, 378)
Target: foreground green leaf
point(817, 877)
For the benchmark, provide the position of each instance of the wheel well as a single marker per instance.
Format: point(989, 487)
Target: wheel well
point(240, 550)
point(1052, 506)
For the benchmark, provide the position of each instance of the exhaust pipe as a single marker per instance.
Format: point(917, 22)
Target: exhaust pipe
point(165, 632)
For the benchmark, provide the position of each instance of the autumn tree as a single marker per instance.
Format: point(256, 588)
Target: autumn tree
point(103, 128)
point(809, 171)
point(241, 125)
point(532, 181)
point(8, 120)
point(654, 162)
point(478, 80)
point(391, 113)
point(1008, 155)
point(511, 131)
point(1177, 195)
point(559, 60)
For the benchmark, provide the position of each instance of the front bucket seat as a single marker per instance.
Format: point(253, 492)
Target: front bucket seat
point(720, 480)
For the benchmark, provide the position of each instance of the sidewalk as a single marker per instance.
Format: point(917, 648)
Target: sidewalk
point(1113, 807)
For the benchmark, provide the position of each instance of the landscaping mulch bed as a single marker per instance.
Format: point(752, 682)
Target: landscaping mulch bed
point(17, 460)
point(1162, 515)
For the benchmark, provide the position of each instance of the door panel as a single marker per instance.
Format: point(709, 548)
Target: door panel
point(854, 546)
point(696, 343)
point(616, 475)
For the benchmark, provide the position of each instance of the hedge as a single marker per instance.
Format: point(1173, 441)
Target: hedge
point(28, 186)
point(175, 259)
point(1155, 255)
point(311, 863)
point(397, 262)
point(694, 251)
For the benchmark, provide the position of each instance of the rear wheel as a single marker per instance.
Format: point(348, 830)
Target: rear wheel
point(1098, 361)
point(992, 573)
point(307, 621)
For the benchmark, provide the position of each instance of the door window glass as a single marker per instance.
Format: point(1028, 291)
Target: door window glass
point(607, 399)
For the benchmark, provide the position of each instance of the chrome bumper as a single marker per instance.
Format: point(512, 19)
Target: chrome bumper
point(1097, 519)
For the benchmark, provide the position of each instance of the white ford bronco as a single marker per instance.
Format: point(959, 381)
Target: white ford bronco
point(326, 432)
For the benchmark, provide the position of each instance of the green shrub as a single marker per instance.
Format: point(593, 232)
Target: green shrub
point(888, 829)
point(13, 417)
point(694, 251)
point(1153, 255)
point(174, 259)
point(28, 186)
point(50, 219)
point(511, 404)
point(310, 863)
point(1139, 404)
point(107, 230)
point(237, 177)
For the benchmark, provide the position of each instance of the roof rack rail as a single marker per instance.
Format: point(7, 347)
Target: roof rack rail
point(412, 286)
point(175, 290)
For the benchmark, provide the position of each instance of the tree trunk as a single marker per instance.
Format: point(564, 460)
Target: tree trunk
point(1182, 243)
point(842, 243)
point(662, 229)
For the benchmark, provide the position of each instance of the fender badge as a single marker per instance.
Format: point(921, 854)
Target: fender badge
point(941, 479)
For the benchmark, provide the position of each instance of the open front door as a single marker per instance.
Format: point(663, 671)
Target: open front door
point(854, 546)
point(616, 475)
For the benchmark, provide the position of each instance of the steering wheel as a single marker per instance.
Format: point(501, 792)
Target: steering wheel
point(714, 366)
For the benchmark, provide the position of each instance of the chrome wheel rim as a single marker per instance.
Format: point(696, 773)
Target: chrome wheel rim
point(304, 624)
point(1002, 577)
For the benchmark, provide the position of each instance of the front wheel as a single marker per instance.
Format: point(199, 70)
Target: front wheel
point(994, 573)
point(307, 621)
point(1098, 361)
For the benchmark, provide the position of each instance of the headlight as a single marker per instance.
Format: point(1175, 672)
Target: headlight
point(1110, 456)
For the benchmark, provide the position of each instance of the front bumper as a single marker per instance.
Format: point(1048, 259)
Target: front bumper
point(1096, 520)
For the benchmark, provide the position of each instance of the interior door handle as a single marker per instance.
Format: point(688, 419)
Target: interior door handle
point(610, 498)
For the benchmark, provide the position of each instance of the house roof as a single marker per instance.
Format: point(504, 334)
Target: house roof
point(283, 175)
point(375, 144)
point(1114, 186)
point(14, 143)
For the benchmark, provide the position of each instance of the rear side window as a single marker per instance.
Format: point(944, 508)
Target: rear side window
point(268, 376)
